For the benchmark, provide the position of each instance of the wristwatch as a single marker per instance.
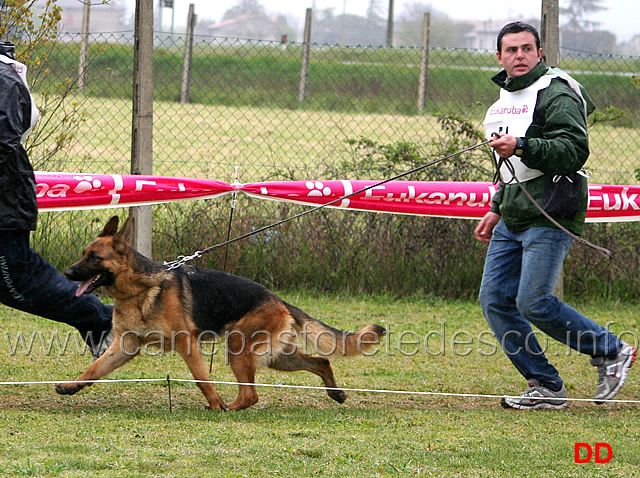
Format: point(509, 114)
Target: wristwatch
point(520, 146)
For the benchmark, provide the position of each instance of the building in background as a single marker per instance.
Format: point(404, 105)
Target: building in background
point(256, 27)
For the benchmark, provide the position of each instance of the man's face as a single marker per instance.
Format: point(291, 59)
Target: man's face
point(519, 54)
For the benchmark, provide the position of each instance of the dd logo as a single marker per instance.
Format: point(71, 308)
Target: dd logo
point(598, 455)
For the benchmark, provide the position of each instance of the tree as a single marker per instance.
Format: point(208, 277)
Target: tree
point(29, 34)
point(376, 23)
point(444, 32)
point(323, 30)
point(577, 10)
point(33, 38)
point(249, 19)
point(346, 29)
point(600, 42)
point(376, 12)
point(249, 8)
point(578, 33)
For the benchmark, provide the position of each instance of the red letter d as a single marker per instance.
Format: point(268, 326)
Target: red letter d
point(589, 452)
point(609, 455)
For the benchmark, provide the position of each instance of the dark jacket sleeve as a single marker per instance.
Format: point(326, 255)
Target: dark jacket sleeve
point(497, 198)
point(15, 109)
point(558, 142)
point(18, 205)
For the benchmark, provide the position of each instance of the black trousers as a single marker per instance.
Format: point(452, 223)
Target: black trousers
point(31, 284)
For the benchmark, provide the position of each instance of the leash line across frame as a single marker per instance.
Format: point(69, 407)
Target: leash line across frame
point(183, 259)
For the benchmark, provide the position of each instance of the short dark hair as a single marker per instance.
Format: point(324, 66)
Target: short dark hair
point(517, 27)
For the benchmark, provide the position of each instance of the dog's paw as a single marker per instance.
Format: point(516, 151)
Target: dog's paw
point(67, 388)
point(222, 407)
point(338, 395)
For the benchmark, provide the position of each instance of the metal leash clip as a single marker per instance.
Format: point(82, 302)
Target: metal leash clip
point(181, 260)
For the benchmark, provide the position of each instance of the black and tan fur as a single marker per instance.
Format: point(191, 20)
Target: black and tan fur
point(178, 305)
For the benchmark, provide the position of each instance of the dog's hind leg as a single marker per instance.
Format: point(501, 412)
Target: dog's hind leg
point(186, 346)
point(318, 365)
point(244, 367)
point(243, 358)
point(120, 352)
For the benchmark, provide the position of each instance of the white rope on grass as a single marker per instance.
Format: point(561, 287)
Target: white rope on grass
point(305, 387)
point(55, 382)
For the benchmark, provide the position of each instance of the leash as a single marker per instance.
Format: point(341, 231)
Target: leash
point(605, 252)
point(197, 254)
point(184, 259)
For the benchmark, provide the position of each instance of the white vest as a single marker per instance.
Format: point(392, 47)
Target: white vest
point(513, 114)
point(21, 70)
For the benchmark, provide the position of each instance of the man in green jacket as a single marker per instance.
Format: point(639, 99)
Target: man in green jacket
point(539, 133)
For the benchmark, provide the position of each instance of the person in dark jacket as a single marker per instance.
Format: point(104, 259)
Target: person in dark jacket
point(27, 281)
point(539, 133)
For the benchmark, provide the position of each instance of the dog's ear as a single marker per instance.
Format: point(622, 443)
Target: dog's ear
point(111, 228)
point(124, 235)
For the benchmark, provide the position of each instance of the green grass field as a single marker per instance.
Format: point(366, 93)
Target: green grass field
point(127, 429)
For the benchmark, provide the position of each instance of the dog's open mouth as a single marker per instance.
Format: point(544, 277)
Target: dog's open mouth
point(92, 284)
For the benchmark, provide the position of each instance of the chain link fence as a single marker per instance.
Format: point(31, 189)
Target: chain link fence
point(254, 115)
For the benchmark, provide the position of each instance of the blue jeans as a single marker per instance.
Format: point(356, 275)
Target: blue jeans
point(520, 272)
point(31, 284)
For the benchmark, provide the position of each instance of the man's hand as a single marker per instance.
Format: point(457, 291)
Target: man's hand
point(504, 145)
point(484, 230)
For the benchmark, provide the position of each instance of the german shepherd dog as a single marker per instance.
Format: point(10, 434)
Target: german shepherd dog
point(156, 305)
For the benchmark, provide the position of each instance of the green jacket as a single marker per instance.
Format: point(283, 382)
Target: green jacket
point(557, 144)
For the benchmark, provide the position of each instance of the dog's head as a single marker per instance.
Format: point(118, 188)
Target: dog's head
point(100, 261)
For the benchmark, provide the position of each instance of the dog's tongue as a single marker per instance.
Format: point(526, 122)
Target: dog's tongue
point(83, 287)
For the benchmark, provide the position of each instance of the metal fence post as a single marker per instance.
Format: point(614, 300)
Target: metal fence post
point(304, 70)
point(188, 53)
point(424, 63)
point(142, 128)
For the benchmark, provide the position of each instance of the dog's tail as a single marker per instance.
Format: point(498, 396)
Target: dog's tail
point(330, 342)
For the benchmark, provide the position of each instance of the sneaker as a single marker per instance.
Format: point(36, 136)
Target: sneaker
point(612, 373)
point(537, 397)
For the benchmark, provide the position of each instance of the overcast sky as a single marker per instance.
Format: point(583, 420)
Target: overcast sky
point(621, 18)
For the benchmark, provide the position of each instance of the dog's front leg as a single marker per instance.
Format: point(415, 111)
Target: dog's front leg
point(122, 349)
point(186, 346)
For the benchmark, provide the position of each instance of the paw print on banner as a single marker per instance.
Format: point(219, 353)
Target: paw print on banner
point(86, 183)
point(317, 189)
